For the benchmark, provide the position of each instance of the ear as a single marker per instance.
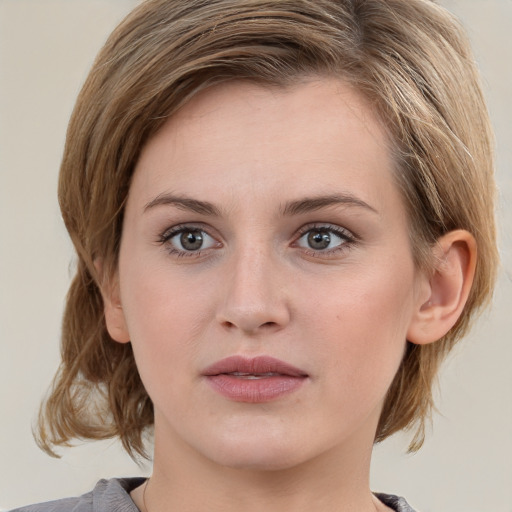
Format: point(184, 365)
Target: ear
point(445, 292)
point(112, 307)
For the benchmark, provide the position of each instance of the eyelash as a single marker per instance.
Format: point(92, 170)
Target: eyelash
point(348, 239)
point(167, 235)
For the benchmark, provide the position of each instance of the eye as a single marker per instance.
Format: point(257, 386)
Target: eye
point(183, 240)
point(324, 238)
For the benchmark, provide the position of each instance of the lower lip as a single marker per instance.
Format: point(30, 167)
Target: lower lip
point(254, 390)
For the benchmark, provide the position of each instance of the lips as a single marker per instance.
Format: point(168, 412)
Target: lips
point(259, 379)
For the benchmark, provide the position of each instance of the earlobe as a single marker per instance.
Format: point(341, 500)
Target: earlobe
point(112, 307)
point(448, 288)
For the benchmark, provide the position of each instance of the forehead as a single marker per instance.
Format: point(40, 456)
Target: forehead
point(312, 104)
point(319, 133)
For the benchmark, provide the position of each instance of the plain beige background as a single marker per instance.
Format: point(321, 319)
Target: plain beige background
point(46, 48)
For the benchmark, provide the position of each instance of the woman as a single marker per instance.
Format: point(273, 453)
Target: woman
point(283, 213)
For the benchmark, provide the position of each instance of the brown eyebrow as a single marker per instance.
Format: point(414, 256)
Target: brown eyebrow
point(300, 206)
point(184, 203)
point(310, 204)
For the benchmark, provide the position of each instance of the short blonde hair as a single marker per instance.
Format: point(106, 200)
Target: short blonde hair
point(412, 61)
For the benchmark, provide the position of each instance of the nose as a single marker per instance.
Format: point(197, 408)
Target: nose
point(254, 298)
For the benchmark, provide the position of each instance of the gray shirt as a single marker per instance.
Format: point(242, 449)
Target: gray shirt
point(114, 496)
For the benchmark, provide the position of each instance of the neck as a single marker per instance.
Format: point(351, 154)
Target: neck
point(184, 480)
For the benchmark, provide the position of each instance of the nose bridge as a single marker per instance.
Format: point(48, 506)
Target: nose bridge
point(254, 298)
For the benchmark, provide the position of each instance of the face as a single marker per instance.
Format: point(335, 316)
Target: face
point(266, 279)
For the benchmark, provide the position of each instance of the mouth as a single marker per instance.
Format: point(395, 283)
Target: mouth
point(254, 380)
point(253, 376)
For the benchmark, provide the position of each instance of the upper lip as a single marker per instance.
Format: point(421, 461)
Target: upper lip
point(253, 366)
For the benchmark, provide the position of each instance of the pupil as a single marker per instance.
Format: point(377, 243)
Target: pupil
point(319, 240)
point(192, 240)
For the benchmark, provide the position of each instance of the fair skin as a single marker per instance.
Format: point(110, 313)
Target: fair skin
point(266, 222)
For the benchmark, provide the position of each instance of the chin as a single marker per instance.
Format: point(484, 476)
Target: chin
point(259, 453)
point(262, 460)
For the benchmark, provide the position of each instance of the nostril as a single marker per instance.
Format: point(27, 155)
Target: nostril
point(264, 326)
point(253, 316)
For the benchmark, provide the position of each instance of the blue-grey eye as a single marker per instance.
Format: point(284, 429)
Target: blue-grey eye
point(191, 240)
point(321, 239)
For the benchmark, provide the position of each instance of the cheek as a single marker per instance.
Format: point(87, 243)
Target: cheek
point(164, 320)
point(360, 330)
point(370, 306)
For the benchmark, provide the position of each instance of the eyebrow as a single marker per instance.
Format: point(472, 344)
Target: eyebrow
point(300, 206)
point(184, 203)
point(311, 204)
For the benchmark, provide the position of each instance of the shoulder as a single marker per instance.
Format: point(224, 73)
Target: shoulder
point(394, 502)
point(107, 495)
